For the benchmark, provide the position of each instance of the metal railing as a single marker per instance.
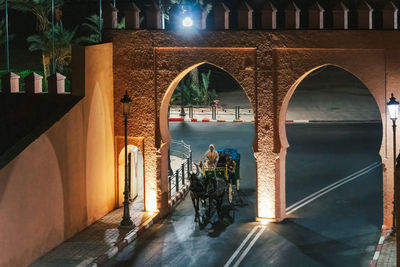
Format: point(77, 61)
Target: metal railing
point(177, 178)
point(212, 112)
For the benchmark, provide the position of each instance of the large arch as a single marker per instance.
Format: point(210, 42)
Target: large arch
point(163, 115)
point(285, 104)
point(171, 65)
point(371, 72)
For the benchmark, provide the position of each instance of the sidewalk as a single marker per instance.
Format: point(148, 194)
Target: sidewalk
point(100, 241)
point(385, 254)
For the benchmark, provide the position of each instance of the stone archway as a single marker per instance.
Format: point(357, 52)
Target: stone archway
point(163, 118)
point(371, 72)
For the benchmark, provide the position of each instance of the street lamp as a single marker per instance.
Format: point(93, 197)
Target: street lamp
point(126, 219)
point(393, 108)
point(187, 22)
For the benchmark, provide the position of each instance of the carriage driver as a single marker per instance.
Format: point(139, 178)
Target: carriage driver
point(211, 157)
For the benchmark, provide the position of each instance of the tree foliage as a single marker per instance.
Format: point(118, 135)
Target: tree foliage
point(63, 40)
point(3, 33)
point(41, 9)
point(193, 93)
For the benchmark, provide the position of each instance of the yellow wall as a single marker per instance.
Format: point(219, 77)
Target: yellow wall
point(64, 180)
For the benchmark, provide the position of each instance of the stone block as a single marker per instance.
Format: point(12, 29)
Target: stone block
point(268, 16)
point(10, 83)
point(33, 83)
point(340, 16)
point(203, 19)
point(292, 16)
point(316, 16)
point(365, 16)
point(110, 17)
point(132, 18)
point(245, 16)
point(56, 84)
point(153, 16)
point(389, 16)
point(221, 17)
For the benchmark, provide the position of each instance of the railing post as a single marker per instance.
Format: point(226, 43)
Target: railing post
point(237, 112)
point(169, 182)
point(177, 180)
point(188, 167)
point(213, 112)
point(190, 157)
point(183, 173)
point(191, 111)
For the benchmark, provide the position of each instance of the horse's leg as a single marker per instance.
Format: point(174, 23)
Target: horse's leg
point(196, 207)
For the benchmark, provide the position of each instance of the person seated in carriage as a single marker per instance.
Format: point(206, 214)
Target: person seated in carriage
point(212, 158)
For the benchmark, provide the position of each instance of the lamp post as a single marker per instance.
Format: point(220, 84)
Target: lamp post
point(7, 40)
point(393, 108)
point(182, 113)
point(126, 219)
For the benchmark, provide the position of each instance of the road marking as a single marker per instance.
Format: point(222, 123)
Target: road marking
point(249, 247)
point(330, 187)
point(244, 253)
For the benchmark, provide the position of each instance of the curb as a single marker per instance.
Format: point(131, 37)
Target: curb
point(181, 194)
point(129, 238)
point(287, 121)
point(378, 250)
point(203, 120)
point(132, 235)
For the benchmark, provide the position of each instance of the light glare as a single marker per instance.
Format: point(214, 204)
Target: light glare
point(187, 22)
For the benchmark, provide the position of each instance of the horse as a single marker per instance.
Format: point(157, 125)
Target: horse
point(200, 190)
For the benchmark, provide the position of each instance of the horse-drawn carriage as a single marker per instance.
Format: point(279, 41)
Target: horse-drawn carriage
point(211, 186)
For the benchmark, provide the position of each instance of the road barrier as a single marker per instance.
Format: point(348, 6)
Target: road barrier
point(181, 150)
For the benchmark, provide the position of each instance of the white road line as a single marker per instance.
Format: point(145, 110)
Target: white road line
point(249, 246)
point(329, 188)
point(333, 184)
point(241, 246)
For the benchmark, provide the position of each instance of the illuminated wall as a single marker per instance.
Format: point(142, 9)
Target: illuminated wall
point(64, 180)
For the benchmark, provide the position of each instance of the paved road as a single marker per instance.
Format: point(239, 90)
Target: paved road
point(340, 228)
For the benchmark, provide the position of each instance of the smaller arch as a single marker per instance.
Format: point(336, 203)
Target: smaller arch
point(136, 168)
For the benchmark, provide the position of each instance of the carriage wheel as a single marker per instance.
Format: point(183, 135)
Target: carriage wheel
point(230, 193)
point(231, 207)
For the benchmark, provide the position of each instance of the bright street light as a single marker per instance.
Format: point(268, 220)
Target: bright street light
point(187, 22)
point(393, 107)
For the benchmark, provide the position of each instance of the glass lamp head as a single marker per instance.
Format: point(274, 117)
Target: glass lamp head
point(393, 108)
point(126, 104)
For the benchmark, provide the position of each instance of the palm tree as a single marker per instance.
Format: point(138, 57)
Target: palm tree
point(194, 93)
point(92, 27)
point(63, 40)
point(3, 33)
point(41, 9)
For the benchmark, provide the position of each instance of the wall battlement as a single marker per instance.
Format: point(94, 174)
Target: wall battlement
point(244, 16)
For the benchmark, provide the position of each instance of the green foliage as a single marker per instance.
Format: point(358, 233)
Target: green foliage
point(194, 94)
point(41, 9)
point(63, 40)
point(23, 74)
point(3, 33)
point(91, 27)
